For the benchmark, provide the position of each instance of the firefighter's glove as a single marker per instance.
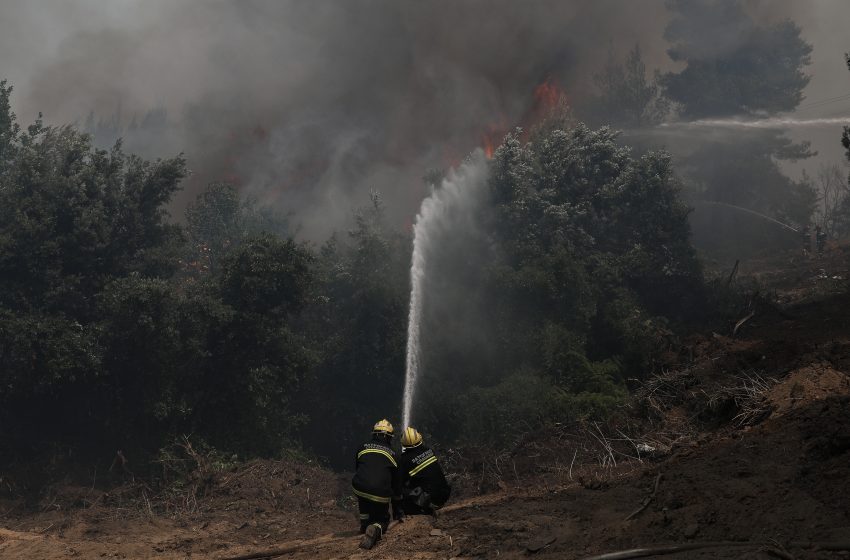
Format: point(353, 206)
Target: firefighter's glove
point(424, 500)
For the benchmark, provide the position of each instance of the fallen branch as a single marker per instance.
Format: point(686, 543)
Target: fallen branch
point(571, 463)
point(741, 322)
point(673, 549)
point(240, 474)
point(647, 500)
point(778, 553)
point(662, 550)
point(289, 549)
point(267, 553)
point(540, 543)
point(831, 546)
point(606, 445)
point(733, 273)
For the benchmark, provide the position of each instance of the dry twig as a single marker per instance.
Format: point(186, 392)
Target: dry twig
point(608, 457)
point(740, 323)
point(778, 552)
point(647, 500)
point(571, 463)
point(749, 398)
point(267, 553)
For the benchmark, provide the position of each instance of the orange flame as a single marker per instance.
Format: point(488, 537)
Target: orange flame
point(487, 144)
point(547, 95)
point(492, 136)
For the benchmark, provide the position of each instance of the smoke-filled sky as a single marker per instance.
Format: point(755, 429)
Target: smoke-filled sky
point(309, 104)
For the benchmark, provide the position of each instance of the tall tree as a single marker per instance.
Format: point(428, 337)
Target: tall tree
point(833, 193)
point(843, 221)
point(83, 233)
point(361, 321)
point(593, 257)
point(220, 219)
point(258, 356)
point(627, 97)
point(733, 66)
point(845, 137)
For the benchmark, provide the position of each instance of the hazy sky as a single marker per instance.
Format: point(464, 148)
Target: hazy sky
point(310, 104)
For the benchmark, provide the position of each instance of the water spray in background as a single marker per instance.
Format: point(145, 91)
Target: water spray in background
point(457, 196)
point(748, 211)
point(774, 122)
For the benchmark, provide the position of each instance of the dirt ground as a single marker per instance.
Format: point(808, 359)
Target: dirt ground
point(744, 438)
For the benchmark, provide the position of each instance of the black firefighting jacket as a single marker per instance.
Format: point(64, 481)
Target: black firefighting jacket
point(376, 476)
point(419, 468)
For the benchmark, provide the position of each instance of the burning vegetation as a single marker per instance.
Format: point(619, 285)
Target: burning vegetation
point(222, 328)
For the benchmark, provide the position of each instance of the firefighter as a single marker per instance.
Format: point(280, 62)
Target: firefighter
point(424, 484)
point(376, 483)
point(806, 238)
point(820, 240)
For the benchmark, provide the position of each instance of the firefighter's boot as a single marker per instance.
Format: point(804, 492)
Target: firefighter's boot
point(371, 536)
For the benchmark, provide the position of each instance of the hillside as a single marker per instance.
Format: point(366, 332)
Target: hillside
point(746, 440)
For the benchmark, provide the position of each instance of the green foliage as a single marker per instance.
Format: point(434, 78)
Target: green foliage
point(522, 402)
point(494, 415)
point(594, 262)
point(140, 320)
point(360, 319)
point(72, 218)
point(101, 343)
point(626, 97)
point(214, 221)
point(85, 248)
point(564, 285)
point(266, 276)
point(616, 225)
point(219, 219)
point(734, 67)
point(266, 281)
point(9, 128)
point(43, 353)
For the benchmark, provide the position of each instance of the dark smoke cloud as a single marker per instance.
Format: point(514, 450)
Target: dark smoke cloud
point(308, 105)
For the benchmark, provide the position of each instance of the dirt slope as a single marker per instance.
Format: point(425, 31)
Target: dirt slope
point(751, 440)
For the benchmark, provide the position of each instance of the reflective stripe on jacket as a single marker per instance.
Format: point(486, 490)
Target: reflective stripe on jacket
point(376, 476)
point(420, 468)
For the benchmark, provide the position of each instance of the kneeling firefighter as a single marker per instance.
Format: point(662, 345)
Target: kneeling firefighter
point(376, 483)
point(424, 484)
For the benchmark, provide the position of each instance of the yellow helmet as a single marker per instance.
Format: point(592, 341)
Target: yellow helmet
point(383, 427)
point(410, 437)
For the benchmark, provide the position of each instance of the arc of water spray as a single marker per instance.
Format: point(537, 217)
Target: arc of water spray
point(417, 277)
point(459, 191)
point(748, 211)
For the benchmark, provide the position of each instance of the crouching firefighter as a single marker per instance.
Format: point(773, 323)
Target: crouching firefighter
point(376, 483)
point(424, 484)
